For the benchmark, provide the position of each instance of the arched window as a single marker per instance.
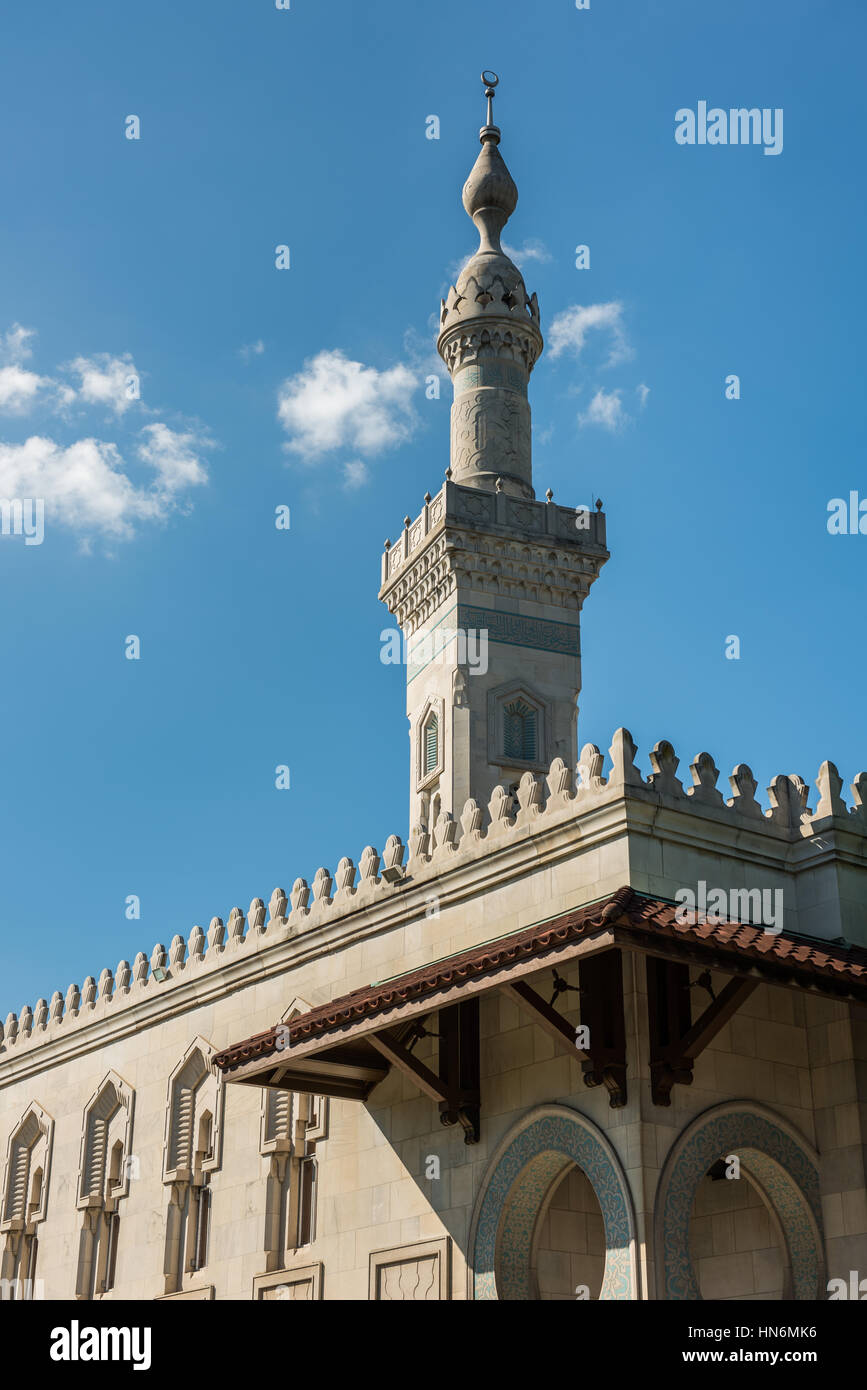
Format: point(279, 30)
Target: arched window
point(103, 1182)
point(192, 1153)
point(24, 1196)
point(428, 745)
point(430, 738)
point(114, 1189)
point(520, 731)
point(292, 1124)
point(201, 1193)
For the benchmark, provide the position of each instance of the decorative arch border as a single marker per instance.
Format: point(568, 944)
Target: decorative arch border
point(538, 1149)
point(782, 1163)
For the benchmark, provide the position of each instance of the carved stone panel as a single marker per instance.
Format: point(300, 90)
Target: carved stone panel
point(418, 1273)
point(490, 434)
point(303, 1284)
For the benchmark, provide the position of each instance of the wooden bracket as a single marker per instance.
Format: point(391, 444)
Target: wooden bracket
point(388, 1045)
point(546, 1016)
point(602, 1012)
point(460, 1067)
point(456, 1084)
point(675, 1041)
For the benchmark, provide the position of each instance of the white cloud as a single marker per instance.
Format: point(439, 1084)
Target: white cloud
point(334, 403)
point(171, 456)
point(606, 410)
point(15, 345)
point(19, 389)
point(569, 330)
point(106, 380)
point(103, 379)
point(643, 393)
point(355, 474)
point(85, 486)
point(251, 350)
point(530, 251)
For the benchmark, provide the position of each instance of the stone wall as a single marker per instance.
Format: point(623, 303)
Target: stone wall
point(799, 1059)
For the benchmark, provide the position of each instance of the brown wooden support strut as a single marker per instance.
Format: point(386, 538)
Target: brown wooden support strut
point(602, 1012)
point(604, 1061)
point(546, 1016)
point(456, 1084)
point(675, 1041)
point(387, 1044)
point(460, 1067)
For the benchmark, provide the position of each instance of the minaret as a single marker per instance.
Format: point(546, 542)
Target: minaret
point(487, 583)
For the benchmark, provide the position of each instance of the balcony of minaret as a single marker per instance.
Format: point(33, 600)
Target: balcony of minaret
point(495, 543)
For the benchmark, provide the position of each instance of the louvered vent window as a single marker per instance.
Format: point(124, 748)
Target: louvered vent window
point(520, 731)
point(431, 733)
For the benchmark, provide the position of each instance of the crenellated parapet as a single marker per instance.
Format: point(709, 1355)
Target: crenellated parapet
point(539, 805)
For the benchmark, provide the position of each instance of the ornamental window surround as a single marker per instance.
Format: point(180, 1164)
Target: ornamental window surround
point(25, 1199)
point(105, 1167)
point(428, 737)
point(519, 728)
point(430, 742)
point(291, 1125)
point(520, 731)
point(191, 1154)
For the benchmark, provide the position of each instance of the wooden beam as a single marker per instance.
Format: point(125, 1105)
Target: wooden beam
point(675, 1042)
point(668, 1021)
point(351, 1069)
point(460, 1067)
point(387, 1044)
point(712, 1021)
point(546, 1017)
point(602, 1011)
point(312, 1085)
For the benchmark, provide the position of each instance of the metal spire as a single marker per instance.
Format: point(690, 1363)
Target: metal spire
point(490, 131)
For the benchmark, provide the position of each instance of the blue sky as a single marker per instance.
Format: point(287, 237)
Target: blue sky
point(260, 647)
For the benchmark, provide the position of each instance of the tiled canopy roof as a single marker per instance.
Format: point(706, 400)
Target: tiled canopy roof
point(634, 921)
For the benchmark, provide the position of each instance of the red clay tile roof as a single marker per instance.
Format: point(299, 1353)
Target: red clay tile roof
point(635, 920)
